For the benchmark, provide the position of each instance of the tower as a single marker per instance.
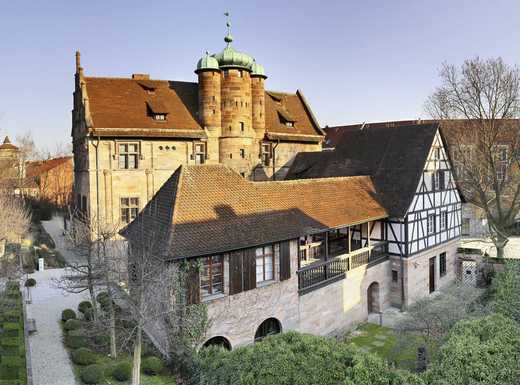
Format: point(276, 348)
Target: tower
point(232, 104)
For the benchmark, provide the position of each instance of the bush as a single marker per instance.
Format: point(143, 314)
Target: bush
point(101, 340)
point(505, 290)
point(122, 371)
point(89, 314)
point(83, 356)
point(102, 297)
point(479, 351)
point(68, 314)
point(294, 358)
point(152, 365)
point(72, 324)
point(92, 375)
point(13, 361)
point(84, 306)
point(75, 341)
point(31, 282)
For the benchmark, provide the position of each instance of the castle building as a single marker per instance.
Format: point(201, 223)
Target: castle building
point(130, 134)
point(9, 163)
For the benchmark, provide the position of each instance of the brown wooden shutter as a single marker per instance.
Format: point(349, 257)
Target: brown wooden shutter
point(192, 283)
point(285, 260)
point(249, 276)
point(235, 272)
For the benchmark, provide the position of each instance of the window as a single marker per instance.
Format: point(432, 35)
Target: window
point(264, 263)
point(430, 224)
point(501, 164)
point(242, 153)
point(239, 73)
point(465, 226)
point(242, 126)
point(444, 220)
point(395, 276)
point(211, 276)
point(437, 153)
point(199, 153)
point(226, 73)
point(160, 117)
point(128, 155)
point(442, 264)
point(265, 153)
point(129, 209)
point(438, 180)
point(269, 327)
point(289, 124)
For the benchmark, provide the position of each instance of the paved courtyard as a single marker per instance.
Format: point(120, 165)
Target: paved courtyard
point(54, 228)
point(50, 360)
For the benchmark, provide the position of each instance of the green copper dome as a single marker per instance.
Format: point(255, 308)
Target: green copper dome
point(229, 57)
point(207, 62)
point(257, 69)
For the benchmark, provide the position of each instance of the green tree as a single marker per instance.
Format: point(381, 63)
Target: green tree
point(484, 351)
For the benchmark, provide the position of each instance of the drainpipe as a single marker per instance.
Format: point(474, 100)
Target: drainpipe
point(401, 258)
point(274, 158)
point(97, 182)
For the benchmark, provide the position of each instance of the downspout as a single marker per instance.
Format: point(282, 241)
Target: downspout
point(401, 258)
point(97, 182)
point(274, 158)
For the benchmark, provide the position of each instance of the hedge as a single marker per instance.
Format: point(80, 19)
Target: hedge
point(83, 356)
point(75, 341)
point(92, 375)
point(68, 314)
point(152, 365)
point(72, 324)
point(122, 371)
point(84, 306)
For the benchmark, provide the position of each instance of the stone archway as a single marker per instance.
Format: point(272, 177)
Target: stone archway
point(269, 327)
point(373, 298)
point(218, 341)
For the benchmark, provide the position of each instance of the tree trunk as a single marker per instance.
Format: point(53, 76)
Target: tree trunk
point(136, 365)
point(500, 244)
point(112, 315)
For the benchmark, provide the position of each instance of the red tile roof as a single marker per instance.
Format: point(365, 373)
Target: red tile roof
point(205, 209)
point(36, 168)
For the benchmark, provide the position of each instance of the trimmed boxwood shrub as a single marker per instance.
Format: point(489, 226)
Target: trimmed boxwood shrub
point(31, 282)
point(152, 365)
point(122, 371)
point(101, 340)
point(68, 314)
point(88, 315)
point(83, 356)
point(84, 306)
point(92, 375)
point(9, 373)
point(102, 297)
point(72, 324)
point(10, 341)
point(75, 341)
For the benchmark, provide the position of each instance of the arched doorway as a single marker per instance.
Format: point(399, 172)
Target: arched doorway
point(218, 341)
point(269, 327)
point(373, 298)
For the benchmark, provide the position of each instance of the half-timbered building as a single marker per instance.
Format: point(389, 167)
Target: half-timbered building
point(412, 173)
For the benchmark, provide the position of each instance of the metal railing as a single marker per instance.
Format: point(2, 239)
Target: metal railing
point(319, 274)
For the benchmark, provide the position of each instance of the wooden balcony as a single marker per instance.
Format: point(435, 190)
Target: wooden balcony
point(319, 274)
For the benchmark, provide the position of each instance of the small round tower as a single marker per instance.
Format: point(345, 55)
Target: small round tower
point(208, 72)
point(258, 98)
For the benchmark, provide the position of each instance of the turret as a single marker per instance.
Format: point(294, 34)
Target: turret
point(258, 98)
point(209, 94)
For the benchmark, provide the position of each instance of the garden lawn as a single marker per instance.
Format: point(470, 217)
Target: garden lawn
point(386, 343)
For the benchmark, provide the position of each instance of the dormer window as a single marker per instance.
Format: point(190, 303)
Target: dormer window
point(157, 110)
point(289, 124)
point(286, 118)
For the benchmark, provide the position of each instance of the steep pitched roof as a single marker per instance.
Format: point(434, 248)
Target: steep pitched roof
point(211, 209)
point(120, 107)
point(394, 156)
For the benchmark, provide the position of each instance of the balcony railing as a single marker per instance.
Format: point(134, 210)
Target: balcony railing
point(320, 274)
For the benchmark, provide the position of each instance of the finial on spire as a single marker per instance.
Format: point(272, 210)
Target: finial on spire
point(78, 61)
point(229, 38)
point(6, 140)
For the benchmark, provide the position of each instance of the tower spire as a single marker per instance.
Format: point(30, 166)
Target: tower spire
point(229, 38)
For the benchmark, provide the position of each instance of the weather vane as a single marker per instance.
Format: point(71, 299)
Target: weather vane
point(229, 38)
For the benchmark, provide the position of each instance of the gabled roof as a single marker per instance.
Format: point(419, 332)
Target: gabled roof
point(204, 209)
point(119, 107)
point(7, 145)
point(394, 156)
point(36, 168)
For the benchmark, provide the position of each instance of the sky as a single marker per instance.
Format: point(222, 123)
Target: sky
point(355, 61)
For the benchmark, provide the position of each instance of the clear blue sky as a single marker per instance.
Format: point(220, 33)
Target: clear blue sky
point(355, 61)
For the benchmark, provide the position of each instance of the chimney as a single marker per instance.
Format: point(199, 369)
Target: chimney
point(141, 76)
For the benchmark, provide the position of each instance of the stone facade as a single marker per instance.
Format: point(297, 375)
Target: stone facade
point(324, 311)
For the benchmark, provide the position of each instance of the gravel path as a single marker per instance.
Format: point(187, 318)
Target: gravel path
point(55, 229)
point(50, 360)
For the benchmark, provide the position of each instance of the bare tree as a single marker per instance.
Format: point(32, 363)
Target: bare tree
point(14, 219)
point(160, 302)
point(483, 95)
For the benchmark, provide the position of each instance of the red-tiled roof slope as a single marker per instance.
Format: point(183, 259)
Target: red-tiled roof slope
point(35, 168)
point(119, 106)
point(211, 209)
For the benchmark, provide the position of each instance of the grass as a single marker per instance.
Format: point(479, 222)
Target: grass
point(386, 343)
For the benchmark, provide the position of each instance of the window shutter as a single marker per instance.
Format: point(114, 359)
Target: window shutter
point(441, 180)
point(192, 284)
point(285, 261)
point(235, 272)
point(249, 275)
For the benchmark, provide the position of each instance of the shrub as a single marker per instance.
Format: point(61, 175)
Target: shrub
point(101, 340)
point(152, 365)
point(72, 324)
point(505, 290)
point(68, 314)
point(83, 356)
point(75, 341)
point(92, 375)
point(294, 358)
point(89, 314)
point(479, 351)
point(102, 297)
point(122, 371)
point(9, 373)
point(31, 282)
point(13, 361)
point(84, 306)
